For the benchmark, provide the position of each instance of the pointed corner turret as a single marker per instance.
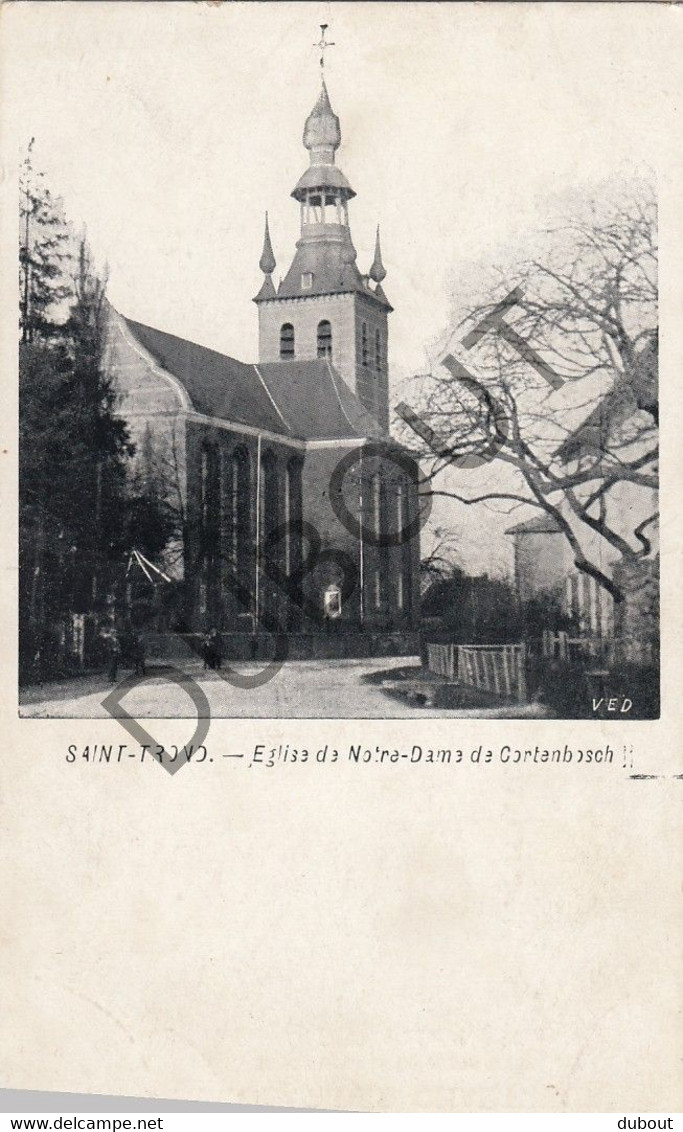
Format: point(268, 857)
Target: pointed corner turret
point(267, 291)
point(267, 266)
point(267, 260)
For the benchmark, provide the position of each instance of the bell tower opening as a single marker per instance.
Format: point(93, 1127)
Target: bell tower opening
point(324, 339)
point(286, 342)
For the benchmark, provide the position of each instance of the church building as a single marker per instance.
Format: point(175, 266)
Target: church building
point(299, 513)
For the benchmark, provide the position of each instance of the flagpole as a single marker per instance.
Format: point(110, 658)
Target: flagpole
point(361, 561)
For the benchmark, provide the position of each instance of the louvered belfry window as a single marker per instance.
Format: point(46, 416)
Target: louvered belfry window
point(324, 339)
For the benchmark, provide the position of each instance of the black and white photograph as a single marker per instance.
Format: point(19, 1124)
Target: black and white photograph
point(342, 572)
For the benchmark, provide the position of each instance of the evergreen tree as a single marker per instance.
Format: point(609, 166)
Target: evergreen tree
point(46, 542)
point(73, 452)
point(84, 504)
point(99, 442)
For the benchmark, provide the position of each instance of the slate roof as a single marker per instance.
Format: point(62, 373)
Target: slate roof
point(306, 400)
point(322, 177)
point(316, 401)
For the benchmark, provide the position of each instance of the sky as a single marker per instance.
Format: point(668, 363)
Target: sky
point(170, 128)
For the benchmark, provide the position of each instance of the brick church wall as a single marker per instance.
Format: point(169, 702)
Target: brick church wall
point(304, 315)
point(213, 598)
point(190, 448)
point(143, 393)
point(371, 384)
point(222, 588)
point(380, 599)
point(346, 315)
point(150, 401)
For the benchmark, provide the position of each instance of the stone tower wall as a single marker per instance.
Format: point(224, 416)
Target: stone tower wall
point(346, 314)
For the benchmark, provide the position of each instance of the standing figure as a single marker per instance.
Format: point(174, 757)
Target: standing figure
point(216, 650)
point(206, 651)
point(138, 653)
point(212, 650)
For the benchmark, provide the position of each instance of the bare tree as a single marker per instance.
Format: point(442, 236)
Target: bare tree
point(557, 400)
point(439, 561)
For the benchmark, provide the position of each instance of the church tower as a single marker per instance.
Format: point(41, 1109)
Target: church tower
point(324, 307)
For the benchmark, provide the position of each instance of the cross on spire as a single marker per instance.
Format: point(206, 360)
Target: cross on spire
point(323, 44)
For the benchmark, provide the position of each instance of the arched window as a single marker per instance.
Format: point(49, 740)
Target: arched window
point(364, 342)
point(400, 511)
point(286, 341)
point(209, 546)
point(292, 516)
point(204, 483)
point(210, 495)
point(324, 339)
point(268, 490)
point(405, 510)
point(401, 526)
point(268, 543)
point(378, 351)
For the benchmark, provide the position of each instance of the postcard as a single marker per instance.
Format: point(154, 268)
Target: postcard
point(342, 628)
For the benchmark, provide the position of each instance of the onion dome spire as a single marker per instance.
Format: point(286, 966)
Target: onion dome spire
point(378, 271)
point(267, 260)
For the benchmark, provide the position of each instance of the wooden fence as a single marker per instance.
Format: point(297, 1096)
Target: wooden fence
point(601, 651)
point(500, 669)
point(442, 660)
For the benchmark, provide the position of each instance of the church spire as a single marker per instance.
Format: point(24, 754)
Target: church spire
point(298, 320)
point(378, 271)
point(322, 138)
point(267, 260)
point(325, 259)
